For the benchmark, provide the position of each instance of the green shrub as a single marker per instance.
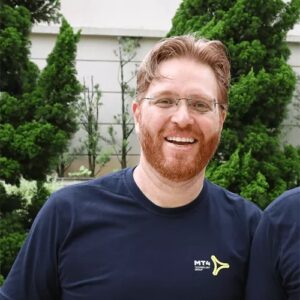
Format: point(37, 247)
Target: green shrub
point(1, 279)
point(9, 247)
point(19, 206)
point(12, 222)
point(36, 203)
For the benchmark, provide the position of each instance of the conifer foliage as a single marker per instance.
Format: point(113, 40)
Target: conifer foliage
point(251, 160)
point(37, 117)
point(40, 10)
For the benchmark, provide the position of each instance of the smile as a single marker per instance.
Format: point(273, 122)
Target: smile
point(180, 140)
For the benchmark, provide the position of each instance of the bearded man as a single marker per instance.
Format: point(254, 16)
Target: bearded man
point(159, 230)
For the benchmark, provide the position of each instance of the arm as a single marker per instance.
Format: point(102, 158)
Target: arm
point(263, 283)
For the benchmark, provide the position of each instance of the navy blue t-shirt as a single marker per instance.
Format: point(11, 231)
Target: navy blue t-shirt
point(275, 257)
point(103, 239)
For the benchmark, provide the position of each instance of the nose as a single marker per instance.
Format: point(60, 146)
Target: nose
point(182, 115)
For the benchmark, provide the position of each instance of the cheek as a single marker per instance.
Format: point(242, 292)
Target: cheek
point(210, 126)
point(152, 121)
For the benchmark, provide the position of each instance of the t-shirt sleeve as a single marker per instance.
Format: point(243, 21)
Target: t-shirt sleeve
point(274, 272)
point(263, 284)
point(34, 273)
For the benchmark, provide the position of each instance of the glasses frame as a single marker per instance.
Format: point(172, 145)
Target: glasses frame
point(223, 106)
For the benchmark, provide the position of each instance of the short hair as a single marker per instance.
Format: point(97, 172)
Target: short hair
point(212, 53)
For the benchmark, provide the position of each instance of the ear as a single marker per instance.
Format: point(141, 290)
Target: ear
point(223, 115)
point(136, 110)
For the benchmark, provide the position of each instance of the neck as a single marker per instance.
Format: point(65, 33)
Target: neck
point(164, 192)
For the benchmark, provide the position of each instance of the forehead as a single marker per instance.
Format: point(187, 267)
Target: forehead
point(185, 77)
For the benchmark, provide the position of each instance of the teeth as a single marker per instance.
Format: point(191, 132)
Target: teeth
point(180, 139)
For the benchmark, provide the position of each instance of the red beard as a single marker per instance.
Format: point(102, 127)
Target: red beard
point(182, 167)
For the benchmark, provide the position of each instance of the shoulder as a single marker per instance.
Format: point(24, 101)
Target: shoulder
point(232, 200)
point(86, 196)
point(111, 183)
point(285, 209)
point(280, 224)
point(81, 203)
point(245, 212)
point(288, 201)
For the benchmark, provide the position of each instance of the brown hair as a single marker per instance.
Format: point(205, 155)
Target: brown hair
point(212, 53)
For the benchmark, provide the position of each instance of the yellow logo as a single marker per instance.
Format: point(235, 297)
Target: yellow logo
point(218, 265)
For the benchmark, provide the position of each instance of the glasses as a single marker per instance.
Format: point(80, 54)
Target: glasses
point(201, 106)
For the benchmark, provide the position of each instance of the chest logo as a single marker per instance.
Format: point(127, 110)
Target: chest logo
point(200, 265)
point(218, 265)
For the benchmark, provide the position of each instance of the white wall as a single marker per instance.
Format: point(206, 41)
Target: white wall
point(95, 58)
point(100, 23)
point(119, 17)
point(145, 15)
point(291, 130)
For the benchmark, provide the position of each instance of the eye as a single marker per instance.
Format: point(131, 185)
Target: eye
point(201, 105)
point(164, 102)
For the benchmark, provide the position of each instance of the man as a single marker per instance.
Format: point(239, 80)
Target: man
point(160, 230)
point(275, 258)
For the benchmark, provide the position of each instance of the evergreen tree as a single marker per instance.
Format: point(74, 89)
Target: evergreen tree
point(250, 159)
point(18, 74)
point(57, 87)
point(36, 112)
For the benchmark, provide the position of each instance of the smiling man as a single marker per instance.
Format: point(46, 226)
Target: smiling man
point(179, 122)
point(159, 230)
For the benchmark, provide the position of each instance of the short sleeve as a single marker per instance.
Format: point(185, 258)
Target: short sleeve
point(274, 272)
point(263, 283)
